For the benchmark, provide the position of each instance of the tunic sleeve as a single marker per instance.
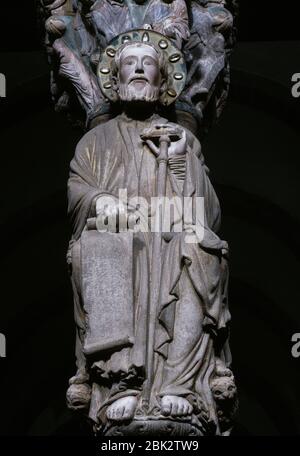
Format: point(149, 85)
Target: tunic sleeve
point(96, 169)
point(83, 185)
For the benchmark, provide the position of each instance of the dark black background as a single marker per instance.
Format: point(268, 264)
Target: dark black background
point(253, 155)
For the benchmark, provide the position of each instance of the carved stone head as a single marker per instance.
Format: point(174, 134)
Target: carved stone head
point(224, 389)
point(142, 65)
point(139, 73)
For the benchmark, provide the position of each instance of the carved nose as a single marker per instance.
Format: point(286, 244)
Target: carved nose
point(139, 68)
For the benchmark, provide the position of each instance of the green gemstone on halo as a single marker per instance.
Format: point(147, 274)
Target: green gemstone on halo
point(178, 76)
point(163, 44)
point(172, 93)
point(126, 38)
point(174, 58)
point(110, 52)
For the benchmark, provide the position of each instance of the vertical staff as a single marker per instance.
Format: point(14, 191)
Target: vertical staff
point(164, 135)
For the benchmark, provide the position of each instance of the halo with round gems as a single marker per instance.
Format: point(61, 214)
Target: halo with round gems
point(173, 57)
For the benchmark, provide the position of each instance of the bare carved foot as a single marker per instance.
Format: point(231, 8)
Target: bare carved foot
point(122, 409)
point(175, 406)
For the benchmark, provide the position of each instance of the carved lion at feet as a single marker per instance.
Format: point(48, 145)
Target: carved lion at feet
point(225, 395)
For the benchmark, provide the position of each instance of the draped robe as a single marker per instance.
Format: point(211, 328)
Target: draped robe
point(192, 313)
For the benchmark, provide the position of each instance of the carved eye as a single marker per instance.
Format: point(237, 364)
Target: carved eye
point(129, 62)
point(218, 393)
point(148, 62)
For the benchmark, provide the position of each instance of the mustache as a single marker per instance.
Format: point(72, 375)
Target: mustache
point(138, 78)
point(128, 93)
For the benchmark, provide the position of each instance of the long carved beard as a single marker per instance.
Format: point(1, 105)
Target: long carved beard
point(147, 94)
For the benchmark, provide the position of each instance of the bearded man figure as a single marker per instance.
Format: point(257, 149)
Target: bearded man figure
point(123, 381)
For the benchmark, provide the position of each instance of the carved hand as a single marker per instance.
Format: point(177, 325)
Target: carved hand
point(109, 213)
point(176, 148)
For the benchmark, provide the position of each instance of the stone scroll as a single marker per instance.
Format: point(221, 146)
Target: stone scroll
point(107, 290)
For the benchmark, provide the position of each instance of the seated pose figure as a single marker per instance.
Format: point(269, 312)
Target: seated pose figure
point(113, 272)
